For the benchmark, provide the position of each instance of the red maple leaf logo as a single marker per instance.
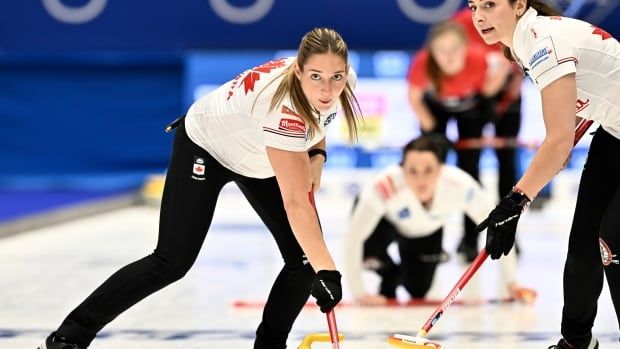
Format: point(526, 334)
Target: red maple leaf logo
point(598, 31)
point(198, 169)
point(254, 74)
point(248, 81)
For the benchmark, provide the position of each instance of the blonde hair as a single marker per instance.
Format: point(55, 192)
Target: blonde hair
point(433, 70)
point(317, 41)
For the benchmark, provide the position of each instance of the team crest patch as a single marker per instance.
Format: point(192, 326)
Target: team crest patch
point(540, 56)
point(198, 169)
point(544, 57)
point(606, 255)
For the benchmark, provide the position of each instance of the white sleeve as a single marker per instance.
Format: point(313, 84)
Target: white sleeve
point(364, 220)
point(479, 205)
point(508, 271)
point(478, 202)
point(549, 59)
point(284, 129)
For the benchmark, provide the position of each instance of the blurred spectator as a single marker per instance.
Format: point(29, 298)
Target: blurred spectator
point(475, 85)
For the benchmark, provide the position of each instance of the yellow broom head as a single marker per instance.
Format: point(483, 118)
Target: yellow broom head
point(411, 342)
point(317, 337)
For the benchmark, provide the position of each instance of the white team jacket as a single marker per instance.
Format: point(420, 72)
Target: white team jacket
point(388, 196)
point(551, 47)
point(233, 123)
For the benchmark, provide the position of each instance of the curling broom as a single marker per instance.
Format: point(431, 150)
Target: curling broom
point(419, 341)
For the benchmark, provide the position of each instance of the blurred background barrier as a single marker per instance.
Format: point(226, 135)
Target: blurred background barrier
point(86, 86)
point(157, 25)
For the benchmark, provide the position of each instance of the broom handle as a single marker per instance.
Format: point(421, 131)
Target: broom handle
point(333, 328)
point(581, 129)
point(471, 270)
point(331, 316)
point(508, 142)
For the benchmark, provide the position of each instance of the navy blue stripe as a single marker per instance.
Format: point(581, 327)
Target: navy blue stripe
point(292, 135)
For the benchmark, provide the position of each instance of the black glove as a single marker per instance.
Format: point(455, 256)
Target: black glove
point(501, 224)
point(327, 289)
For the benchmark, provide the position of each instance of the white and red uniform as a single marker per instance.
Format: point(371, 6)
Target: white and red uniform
point(551, 47)
point(222, 139)
point(390, 197)
point(234, 124)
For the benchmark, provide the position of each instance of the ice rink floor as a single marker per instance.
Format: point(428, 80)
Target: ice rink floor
point(47, 272)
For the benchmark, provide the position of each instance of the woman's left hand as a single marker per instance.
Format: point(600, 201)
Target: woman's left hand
point(522, 294)
point(316, 168)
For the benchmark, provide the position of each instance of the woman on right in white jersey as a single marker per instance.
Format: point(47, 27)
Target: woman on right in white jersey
point(576, 68)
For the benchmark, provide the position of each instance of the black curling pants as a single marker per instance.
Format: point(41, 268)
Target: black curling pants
point(594, 242)
point(469, 124)
point(187, 209)
point(419, 259)
point(507, 125)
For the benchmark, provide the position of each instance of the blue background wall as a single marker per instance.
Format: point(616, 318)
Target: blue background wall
point(91, 121)
point(37, 25)
point(204, 24)
point(86, 86)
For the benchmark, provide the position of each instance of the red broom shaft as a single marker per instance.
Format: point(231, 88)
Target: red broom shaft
point(471, 270)
point(510, 142)
point(581, 129)
point(331, 316)
point(333, 328)
point(482, 256)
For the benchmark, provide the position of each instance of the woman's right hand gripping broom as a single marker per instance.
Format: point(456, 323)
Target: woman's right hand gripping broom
point(327, 289)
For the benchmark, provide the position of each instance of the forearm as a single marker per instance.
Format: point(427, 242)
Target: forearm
point(292, 170)
point(305, 225)
point(423, 114)
point(548, 161)
point(558, 102)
